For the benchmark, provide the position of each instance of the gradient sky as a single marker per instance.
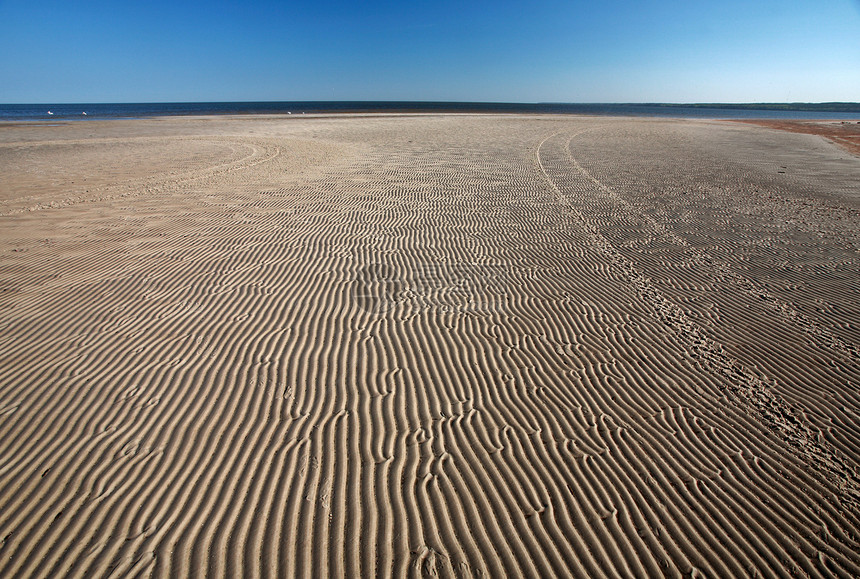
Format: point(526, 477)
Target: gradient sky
point(504, 51)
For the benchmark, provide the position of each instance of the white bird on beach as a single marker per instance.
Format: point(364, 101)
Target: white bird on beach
point(84, 113)
point(50, 113)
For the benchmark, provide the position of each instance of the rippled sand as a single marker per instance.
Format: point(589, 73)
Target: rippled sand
point(405, 345)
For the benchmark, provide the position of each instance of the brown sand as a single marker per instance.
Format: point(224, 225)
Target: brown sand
point(844, 133)
point(462, 345)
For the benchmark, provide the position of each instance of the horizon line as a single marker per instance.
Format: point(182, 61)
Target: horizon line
point(408, 101)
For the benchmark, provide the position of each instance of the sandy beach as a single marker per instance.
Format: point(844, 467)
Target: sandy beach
point(428, 345)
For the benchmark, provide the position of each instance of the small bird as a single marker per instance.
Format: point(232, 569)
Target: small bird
point(50, 113)
point(84, 113)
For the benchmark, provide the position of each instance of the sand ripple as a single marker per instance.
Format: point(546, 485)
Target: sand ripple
point(450, 345)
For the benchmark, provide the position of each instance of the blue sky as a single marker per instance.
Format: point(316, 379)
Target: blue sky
point(544, 50)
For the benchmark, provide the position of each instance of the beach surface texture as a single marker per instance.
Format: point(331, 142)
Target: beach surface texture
point(428, 345)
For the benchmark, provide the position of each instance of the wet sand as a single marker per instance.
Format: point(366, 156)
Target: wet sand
point(462, 345)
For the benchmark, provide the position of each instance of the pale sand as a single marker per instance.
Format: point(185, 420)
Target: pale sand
point(406, 345)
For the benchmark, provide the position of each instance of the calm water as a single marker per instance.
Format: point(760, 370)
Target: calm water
point(40, 112)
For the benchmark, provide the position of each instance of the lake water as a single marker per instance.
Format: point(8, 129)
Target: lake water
point(40, 112)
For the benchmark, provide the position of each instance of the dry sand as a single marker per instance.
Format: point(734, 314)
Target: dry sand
point(407, 345)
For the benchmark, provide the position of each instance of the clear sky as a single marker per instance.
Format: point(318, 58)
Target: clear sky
point(452, 50)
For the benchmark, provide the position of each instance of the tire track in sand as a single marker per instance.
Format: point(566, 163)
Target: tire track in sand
point(255, 153)
point(751, 390)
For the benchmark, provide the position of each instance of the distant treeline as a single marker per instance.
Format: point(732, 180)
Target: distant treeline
point(812, 107)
